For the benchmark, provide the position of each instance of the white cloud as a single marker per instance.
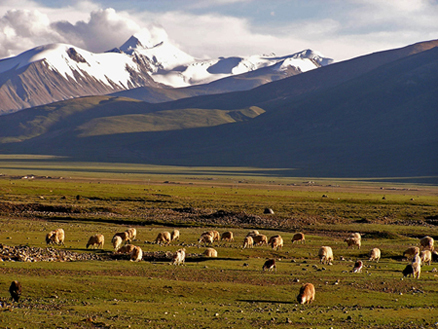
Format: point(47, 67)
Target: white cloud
point(353, 28)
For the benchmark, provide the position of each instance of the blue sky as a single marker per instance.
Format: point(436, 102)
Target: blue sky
point(339, 29)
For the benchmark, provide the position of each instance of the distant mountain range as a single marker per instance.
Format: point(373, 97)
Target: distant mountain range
point(371, 116)
point(58, 71)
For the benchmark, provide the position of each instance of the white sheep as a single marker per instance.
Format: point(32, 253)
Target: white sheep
point(175, 235)
point(132, 234)
point(427, 243)
point(325, 255)
point(354, 240)
point(179, 257)
point(248, 242)
point(375, 255)
point(136, 254)
point(210, 252)
point(96, 241)
point(56, 237)
point(117, 242)
point(123, 235)
point(426, 256)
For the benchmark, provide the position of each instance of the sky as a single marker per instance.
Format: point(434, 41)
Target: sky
point(339, 29)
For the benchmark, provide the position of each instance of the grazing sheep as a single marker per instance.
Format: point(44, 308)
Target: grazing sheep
point(276, 242)
point(179, 257)
point(426, 257)
point(175, 235)
point(299, 237)
point(411, 252)
point(15, 290)
point(136, 254)
point(56, 237)
point(357, 268)
point(307, 294)
point(210, 252)
point(354, 240)
point(227, 236)
point(132, 234)
point(260, 240)
point(248, 242)
point(96, 241)
point(163, 238)
point(416, 266)
point(375, 254)
point(325, 255)
point(427, 243)
point(269, 265)
point(216, 236)
point(253, 233)
point(123, 235)
point(126, 249)
point(206, 238)
point(117, 242)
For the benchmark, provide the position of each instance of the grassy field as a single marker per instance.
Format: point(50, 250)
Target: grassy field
point(230, 291)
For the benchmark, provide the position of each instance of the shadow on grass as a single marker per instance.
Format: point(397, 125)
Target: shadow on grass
point(266, 301)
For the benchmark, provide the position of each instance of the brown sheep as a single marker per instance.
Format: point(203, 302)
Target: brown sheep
point(227, 236)
point(123, 235)
point(126, 249)
point(411, 252)
point(206, 238)
point(96, 241)
point(307, 294)
point(15, 290)
point(325, 255)
point(248, 242)
point(163, 238)
point(269, 265)
point(260, 240)
point(132, 234)
point(276, 242)
point(175, 235)
point(426, 256)
point(375, 254)
point(427, 243)
point(253, 233)
point(136, 254)
point(299, 237)
point(210, 252)
point(56, 237)
point(357, 268)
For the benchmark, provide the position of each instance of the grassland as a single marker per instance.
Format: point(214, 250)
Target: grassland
point(230, 291)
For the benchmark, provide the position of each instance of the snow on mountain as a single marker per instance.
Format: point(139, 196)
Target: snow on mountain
point(108, 68)
point(60, 71)
point(205, 71)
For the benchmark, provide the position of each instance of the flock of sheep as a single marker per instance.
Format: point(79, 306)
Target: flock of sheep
point(122, 244)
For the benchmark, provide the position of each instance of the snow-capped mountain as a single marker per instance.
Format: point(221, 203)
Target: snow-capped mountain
point(59, 71)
